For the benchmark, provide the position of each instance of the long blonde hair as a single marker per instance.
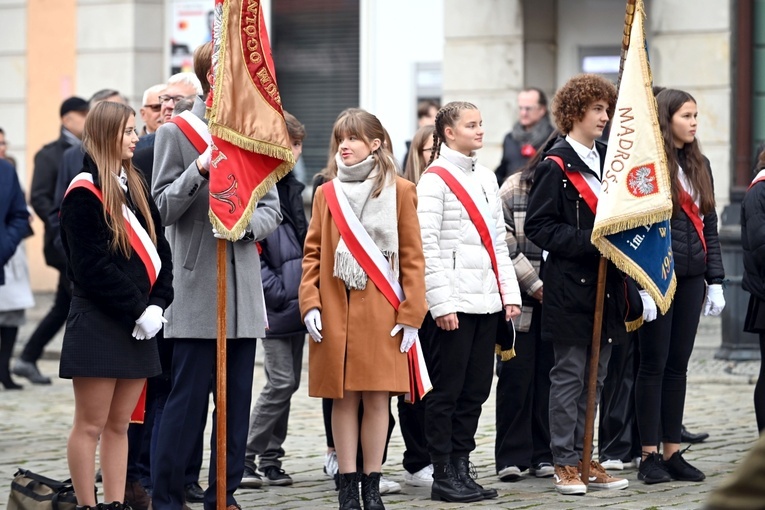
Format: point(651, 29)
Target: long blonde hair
point(102, 140)
point(367, 127)
point(415, 164)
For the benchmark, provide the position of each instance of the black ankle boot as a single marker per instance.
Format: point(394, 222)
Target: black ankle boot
point(370, 491)
point(115, 505)
point(349, 491)
point(447, 486)
point(86, 507)
point(7, 340)
point(462, 467)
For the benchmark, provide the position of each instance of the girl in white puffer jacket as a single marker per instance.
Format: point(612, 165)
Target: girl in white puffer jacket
point(471, 288)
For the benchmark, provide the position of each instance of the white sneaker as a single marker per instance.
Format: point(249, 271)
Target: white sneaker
point(422, 478)
point(509, 474)
point(614, 464)
point(388, 486)
point(542, 470)
point(330, 464)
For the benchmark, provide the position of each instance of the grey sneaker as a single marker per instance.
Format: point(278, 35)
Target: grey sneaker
point(276, 476)
point(29, 370)
point(250, 479)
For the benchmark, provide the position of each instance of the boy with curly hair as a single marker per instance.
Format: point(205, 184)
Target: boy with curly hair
point(560, 216)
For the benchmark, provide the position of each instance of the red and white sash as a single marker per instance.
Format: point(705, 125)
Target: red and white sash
point(139, 238)
point(377, 268)
point(691, 208)
point(759, 177)
point(585, 183)
point(194, 129)
point(478, 212)
point(143, 247)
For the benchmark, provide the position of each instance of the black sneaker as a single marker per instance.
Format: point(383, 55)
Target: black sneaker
point(277, 476)
point(679, 469)
point(652, 470)
point(251, 479)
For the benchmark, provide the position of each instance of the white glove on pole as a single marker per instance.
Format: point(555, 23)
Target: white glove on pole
point(715, 301)
point(313, 324)
point(410, 335)
point(649, 306)
point(150, 322)
point(205, 157)
point(218, 235)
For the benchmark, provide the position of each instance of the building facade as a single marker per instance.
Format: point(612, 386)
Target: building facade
point(385, 55)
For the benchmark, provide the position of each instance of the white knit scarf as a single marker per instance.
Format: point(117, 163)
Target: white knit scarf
point(377, 215)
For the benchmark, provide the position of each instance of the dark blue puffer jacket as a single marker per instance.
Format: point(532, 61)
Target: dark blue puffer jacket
point(281, 262)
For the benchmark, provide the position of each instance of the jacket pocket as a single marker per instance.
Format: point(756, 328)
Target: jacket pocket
point(579, 290)
point(195, 243)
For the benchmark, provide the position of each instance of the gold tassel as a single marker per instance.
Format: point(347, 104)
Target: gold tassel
point(504, 355)
point(634, 325)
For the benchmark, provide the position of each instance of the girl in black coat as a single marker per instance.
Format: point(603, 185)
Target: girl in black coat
point(753, 243)
point(120, 266)
point(667, 342)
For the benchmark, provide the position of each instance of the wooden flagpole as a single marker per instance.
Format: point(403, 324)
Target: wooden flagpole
point(220, 406)
point(592, 383)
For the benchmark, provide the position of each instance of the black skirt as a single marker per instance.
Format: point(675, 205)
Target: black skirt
point(755, 316)
point(95, 345)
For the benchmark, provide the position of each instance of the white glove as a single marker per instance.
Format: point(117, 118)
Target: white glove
point(410, 335)
point(715, 301)
point(313, 323)
point(149, 323)
point(218, 235)
point(649, 306)
point(205, 157)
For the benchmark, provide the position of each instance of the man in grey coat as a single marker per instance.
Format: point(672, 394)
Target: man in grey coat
point(180, 189)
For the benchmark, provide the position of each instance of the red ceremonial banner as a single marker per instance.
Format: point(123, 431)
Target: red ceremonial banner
point(250, 143)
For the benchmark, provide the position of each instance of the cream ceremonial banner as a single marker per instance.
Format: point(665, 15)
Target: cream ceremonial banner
point(632, 219)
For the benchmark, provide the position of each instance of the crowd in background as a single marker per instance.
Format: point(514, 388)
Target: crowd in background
point(494, 270)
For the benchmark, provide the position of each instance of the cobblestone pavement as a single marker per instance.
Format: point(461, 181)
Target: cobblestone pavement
point(35, 422)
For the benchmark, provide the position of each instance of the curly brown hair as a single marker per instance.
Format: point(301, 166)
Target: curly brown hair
point(577, 94)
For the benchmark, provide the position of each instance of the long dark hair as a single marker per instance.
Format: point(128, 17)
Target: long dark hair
point(669, 101)
point(530, 168)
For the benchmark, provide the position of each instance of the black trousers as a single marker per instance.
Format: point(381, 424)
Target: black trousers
point(523, 401)
point(411, 417)
point(194, 365)
point(460, 363)
point(665, 348)
point(759, 389)
point(618, 437)
point(51, 323)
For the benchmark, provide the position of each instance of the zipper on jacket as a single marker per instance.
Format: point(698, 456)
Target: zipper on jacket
point(577, 214)
point(454, 259)
point(485, 197)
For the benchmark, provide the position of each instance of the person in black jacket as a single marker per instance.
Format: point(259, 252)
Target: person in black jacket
point(559, 221)
point(528, 135)
point(121, 269)
point(14, 225)
point(47, 163)
point(281, 256)
point(666, 343)
point(753, 243)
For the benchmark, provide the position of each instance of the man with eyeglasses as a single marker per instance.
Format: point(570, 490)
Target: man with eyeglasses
point(179, 86)
point(528, 134)
point(151, 111)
